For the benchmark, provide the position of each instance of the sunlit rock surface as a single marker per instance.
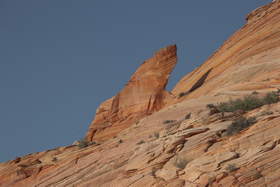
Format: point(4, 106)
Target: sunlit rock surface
point(146, 136)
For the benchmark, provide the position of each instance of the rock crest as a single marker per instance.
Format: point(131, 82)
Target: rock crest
point(143, 94)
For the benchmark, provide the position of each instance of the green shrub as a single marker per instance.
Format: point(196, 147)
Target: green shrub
point(240, 124)
point(271, 98)
point(247, 103)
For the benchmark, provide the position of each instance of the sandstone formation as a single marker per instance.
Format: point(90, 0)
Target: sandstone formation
point(246, 61)
point(163, 140)
point(143, 94)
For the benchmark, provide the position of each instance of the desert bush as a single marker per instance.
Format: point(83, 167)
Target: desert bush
point(173, 124)
point(265, 113)
point(188, 116)
point(84, 143)
point(140, 142)
point(231, 168)
point(213, 109)
point(153, 172)
point(271, 98)
point(169, 121)
point(257, 175)
point(240, 124)
point(247, 103)
point(210, 106)
point(156, 135)
point(180, 163)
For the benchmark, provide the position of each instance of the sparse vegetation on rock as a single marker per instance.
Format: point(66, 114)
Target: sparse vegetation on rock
point(188, 116)
point(140, 142)
point(181, 162)
point(156, 135)
point(231, 168)
point(257, 175)
point(246, 103)
point(210, 106)
point(240, 124)
point(271, 97)
point(169, 121)
point(187, 152)
point(84, 143)
point(265, 113)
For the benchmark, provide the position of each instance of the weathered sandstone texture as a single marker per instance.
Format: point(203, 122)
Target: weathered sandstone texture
point(143, 94)
point(145, 136)
point(248, 60)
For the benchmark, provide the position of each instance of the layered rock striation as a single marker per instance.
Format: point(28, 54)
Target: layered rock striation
point(177, 140)
point(248, 60)
point(143, 94)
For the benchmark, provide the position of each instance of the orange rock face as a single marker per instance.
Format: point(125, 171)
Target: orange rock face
point(143, 94)
point(246, 61)
point(177, 141)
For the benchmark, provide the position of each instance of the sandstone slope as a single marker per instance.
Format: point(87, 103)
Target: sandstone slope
point(248, 60)
point(146, 136)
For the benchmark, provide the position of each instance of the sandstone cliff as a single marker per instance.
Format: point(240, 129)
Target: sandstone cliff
point(146, 136)
point(144, 94)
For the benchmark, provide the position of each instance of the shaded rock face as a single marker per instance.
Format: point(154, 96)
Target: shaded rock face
point(143, 94)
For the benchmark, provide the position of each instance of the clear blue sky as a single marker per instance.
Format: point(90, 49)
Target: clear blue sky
point(60, 59)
